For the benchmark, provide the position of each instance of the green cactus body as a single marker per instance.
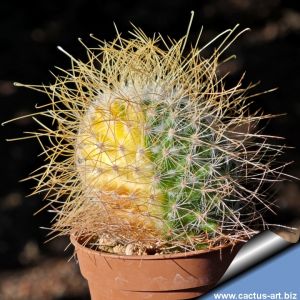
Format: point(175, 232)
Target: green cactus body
point(183, 167)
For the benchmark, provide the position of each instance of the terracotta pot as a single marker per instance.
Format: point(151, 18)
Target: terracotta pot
point(172, 276)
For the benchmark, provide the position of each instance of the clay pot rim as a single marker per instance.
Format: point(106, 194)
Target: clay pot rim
point(151, 257)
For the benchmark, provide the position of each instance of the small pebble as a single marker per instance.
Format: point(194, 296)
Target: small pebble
point(129, 249)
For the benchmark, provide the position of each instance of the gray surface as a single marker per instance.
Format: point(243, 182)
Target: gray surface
point(259, 248)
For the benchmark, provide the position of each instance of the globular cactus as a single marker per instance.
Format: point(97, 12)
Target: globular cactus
point(148, 147)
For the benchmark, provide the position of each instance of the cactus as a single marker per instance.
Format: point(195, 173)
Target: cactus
point(146, 147)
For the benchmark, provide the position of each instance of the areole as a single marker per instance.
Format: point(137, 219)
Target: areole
point(171, 276)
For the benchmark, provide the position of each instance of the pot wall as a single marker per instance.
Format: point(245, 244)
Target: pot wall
point(177, 276)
